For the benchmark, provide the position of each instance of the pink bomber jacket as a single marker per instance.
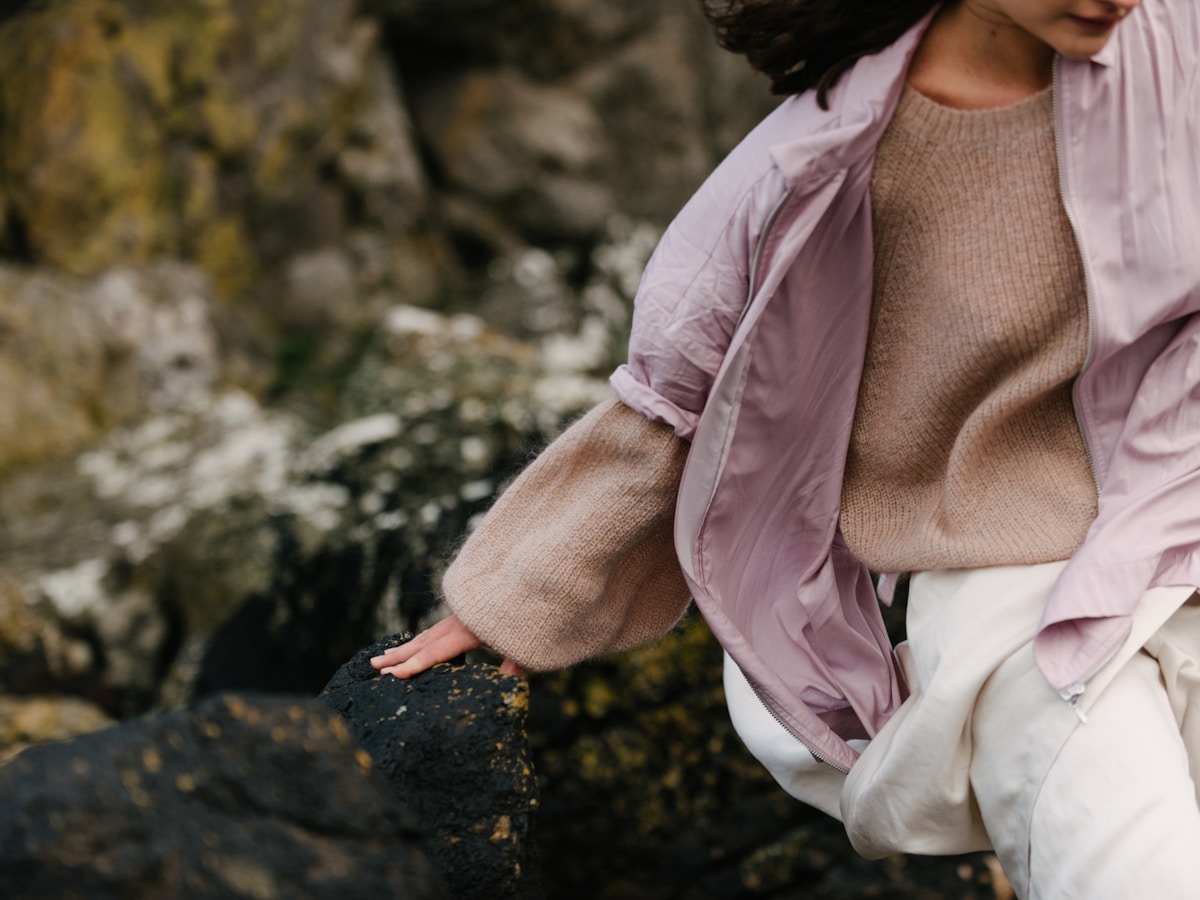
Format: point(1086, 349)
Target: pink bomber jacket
point(750, 329)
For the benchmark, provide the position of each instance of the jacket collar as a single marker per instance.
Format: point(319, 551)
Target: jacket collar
point(860, 107)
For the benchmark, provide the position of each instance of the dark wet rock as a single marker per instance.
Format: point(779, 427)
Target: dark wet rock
point(238, 797)
point(12, 8)
point(445, 33)
point(451, 743)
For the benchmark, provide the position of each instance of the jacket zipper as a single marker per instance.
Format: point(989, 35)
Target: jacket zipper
point(756, 259)
point(820, 757)
point(752, 283)
point(1087, 269)
point(1072, 693)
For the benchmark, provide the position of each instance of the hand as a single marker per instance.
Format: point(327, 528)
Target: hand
point(437, 644)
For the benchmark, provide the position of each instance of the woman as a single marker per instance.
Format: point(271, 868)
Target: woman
point(935, 315)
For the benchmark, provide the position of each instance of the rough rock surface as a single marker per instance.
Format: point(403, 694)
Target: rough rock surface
point(218, 545)
point(545, 118)
point(451, 743)
point(687, 812)
point(212, 131)
point(238, 797)
point(78, 357)
point(240, 136)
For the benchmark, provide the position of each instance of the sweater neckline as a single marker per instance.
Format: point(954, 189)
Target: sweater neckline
point(922, 116)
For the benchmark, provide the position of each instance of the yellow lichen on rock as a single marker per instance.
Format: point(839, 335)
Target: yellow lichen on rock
point(503, 829)
point(363, 758)
point(28, 721)
point(82, 161)
point(162, 130)
point(152, 760)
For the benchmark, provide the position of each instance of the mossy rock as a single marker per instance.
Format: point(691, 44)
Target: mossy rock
point(201, 129)
point(648, 793)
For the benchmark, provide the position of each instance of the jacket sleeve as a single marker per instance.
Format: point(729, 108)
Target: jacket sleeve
point(695, 288)
point(577, 557)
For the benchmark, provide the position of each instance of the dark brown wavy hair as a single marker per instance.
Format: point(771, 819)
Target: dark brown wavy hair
point(805, 44)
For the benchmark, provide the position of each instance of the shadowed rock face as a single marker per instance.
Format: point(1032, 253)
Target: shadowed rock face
point(451, 743)
point(648, 794)
point(237, 797)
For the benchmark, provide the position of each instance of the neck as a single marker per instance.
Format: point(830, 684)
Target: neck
point(973, 57)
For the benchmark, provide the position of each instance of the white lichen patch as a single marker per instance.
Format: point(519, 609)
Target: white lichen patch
point(466, 328)
point(429, 514)
point(473, 410)
point(171, 466)
point(405, 320)
point(318, 504)
point(474, 491)
point(425, 434)
point(225, 448)
point(556, 396)
point(401, 459)
point(535, 269)
point(76, 591)
point(441, 397)
point(254, 457)
point(164, 525)
point(416, 405)
point(372, 503)
point(385, 482)
point(623, 256)
point(584, 351)
point(348, 440)
point(392, 520)
point(475, 452)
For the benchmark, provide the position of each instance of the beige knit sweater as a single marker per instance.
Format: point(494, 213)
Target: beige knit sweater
point(965, 451)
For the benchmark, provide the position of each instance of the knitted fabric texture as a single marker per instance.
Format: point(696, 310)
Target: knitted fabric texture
point(577, 557)
point(965, 450)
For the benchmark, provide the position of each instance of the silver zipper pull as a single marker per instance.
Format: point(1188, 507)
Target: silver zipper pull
point(1072, 695)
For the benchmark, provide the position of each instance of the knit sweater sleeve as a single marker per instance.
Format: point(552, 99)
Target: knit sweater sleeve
point(577, 557)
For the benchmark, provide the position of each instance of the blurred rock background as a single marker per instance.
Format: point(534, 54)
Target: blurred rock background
point(288, 288)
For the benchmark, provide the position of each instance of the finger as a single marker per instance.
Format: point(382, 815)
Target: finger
point(394, 655)
point(508, 667)
point(444, 648)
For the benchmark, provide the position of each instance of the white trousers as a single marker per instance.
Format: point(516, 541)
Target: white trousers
point(985, 754)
